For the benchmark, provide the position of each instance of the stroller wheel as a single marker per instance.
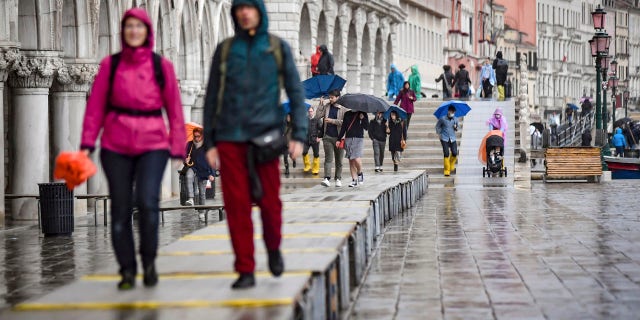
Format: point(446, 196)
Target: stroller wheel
point(484, 172)
point(505, 172)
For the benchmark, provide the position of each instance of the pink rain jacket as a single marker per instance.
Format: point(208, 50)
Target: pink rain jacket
point(135, 87)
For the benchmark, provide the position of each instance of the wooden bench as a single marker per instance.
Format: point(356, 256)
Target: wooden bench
point(206, 209)
point(571, 163)
point(13, 196)
point(96, 198)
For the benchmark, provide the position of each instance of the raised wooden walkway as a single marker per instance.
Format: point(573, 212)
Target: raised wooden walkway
point(329, 235)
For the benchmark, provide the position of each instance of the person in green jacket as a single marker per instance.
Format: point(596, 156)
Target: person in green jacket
point(249, 109)
point(415, 83)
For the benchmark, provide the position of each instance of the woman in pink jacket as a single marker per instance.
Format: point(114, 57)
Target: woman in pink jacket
point(126, 107)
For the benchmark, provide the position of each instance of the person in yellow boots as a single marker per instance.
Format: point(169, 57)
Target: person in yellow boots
point(313, 142)
point(446, 129)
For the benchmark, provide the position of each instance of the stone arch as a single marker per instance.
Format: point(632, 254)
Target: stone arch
point(305, 41)
point(225, 23)
point(323, 34)
point(69, 29)
point(338, 55)
point(353, 64)
point(389, 53)
point(366, 74)
point(188, 50)
point(28, 24)
point(104, 27)
point(207, 44)
point(163, 36)
point(378, 84)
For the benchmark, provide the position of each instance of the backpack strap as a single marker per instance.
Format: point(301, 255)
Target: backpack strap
point(115, 60)
point(276, 47)
point(225, 47)
point(157, 69)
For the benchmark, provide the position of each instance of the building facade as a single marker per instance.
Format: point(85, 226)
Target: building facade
point(634, 58)
point(50, 50)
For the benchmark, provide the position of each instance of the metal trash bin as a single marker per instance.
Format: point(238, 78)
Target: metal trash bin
point(56, 209)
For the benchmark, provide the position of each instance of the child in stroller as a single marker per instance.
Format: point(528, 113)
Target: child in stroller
point(491, 153)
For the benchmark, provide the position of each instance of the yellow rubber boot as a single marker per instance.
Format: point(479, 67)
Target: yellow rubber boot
point(446, 167)
point(307, 163)
point(452, 164)
point(316, 166)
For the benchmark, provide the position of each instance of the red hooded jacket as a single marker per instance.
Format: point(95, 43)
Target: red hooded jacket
point(135, 87)
point(314, 61)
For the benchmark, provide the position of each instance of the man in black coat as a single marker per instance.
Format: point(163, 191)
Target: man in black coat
point(501, 67)
point(325, 65)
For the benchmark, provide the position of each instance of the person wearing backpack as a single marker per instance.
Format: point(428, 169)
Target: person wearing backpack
point(128, 95)
point(501, 68)
point(243, 131)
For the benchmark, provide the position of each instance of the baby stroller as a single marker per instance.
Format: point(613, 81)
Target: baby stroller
point(491, 154)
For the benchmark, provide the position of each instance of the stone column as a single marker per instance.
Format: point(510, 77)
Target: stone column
point(7, 57)
point(523, 168)
point(31, 77)
point(69, 102)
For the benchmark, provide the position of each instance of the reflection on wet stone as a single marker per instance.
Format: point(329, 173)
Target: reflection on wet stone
point(569, 251)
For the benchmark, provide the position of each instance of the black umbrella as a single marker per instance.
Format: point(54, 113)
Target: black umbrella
point(618, 123)
point(363, 102)
point(538, 126)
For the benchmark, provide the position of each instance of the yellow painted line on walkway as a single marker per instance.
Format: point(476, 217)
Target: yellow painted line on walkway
point(321, 205)
point(259, 237)
point(231, 303)
point(194, 276)
point(221, 252)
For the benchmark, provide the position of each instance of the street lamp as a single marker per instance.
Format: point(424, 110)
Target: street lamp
point(604, 67)
point(599, 49)
point(599, 17)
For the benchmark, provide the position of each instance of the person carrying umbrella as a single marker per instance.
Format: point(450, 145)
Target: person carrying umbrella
point(446, 128)
point(125, 104)
point(397, 132)
point(354, 125)
point(406, 97)
point(332, 115)
point(569, 112)
point(199, 171)
point(377, 133)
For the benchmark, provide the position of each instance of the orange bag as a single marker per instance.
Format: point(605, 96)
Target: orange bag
point(74, 167)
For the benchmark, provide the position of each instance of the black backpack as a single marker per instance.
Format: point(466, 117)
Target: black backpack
point(157, 68)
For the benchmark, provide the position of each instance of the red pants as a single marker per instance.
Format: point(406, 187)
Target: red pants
point(237, 201)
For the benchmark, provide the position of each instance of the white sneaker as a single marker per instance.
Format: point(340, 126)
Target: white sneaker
point(361, 178)
point(326, 182)
point(353, 184)
point(189, 202)
point(338, 183)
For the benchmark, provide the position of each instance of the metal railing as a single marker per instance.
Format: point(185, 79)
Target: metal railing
point(570, 135)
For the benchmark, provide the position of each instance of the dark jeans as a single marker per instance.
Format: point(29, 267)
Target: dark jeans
point(407, 124)
point(620, 151)
point(446, 145)
point(487, 88)
point(146, 171)
point(314, 147)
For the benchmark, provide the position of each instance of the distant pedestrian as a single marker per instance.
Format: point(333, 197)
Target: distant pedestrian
point(554, 122)
point(395, 79)
point(586, 138)
point(501, 68)
point(446, 129)
point(378, 135)
point(415, 82)
point(199, 171)
point(397, 132)
point(325, 64)
point(126, 105)
point(406, 97)
point(332, 115)
point(462, 82)
point(619, 142)
point(288, 131)
point(353, 127)
point(315, 58)
point(447, 82)
point(313, 143)
point(586, 107)
point(243, 131)
point(568, 112)
point(487, 79)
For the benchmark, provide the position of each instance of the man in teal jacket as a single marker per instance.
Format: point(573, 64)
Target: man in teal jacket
point(250, 108)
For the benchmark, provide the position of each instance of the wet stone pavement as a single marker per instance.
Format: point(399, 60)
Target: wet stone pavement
point(32, 265)
point(557, 251)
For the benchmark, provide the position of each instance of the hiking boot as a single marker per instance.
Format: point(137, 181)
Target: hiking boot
point(338, 183)
point(395, 167)
point(150, 278)
point(326, 182)
point(244, 281)
point(276, 263)
point(128, 280)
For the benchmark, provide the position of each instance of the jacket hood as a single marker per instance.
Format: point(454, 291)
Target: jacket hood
point(414, 70)
point(142, 15)
point(618, 131)
point(498, 111)
point(393, 66)
point(323, 49)
point(499, 55)
point(318, 50)
point(263, 27)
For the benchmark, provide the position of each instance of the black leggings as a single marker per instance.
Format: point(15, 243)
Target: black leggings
point(446, 145)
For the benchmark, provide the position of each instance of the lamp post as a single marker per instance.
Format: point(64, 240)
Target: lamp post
point(604, 67)
point(613, 84)
point(599, 49)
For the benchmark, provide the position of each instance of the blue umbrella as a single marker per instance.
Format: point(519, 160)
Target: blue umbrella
point(572, 106)
point(401, 113)
point(321, 85)
point(287, 107)
point(462, 108)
